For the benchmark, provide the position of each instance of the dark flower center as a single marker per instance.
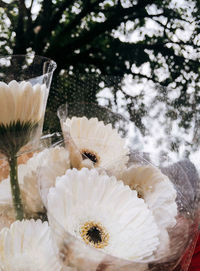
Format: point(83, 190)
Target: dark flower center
point(90, 155)
point(140, 195)
point(94, 235)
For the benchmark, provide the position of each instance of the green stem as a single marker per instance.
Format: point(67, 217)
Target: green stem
point(16, 196)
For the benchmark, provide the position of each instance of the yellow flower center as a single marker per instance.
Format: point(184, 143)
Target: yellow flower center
point(87, 154)
point(94, 234)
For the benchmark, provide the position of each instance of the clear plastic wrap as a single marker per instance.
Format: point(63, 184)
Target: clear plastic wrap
point(182, 234)
point(175, 210)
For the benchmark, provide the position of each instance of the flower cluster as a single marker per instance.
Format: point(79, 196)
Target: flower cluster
point(95, 204)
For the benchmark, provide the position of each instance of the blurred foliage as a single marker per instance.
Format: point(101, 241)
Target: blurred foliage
point(156, 41)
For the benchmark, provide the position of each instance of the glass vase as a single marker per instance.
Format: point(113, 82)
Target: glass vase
point(24, 88)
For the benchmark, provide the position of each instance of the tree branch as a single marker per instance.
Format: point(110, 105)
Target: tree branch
point(181, 43)
point(43, 22)
point(48, 19)
point(7, 8)
point(31, 5)
point(28, 27)
point(23, 6)
point(3, 4)
point(72, 24)
point(59, 12)
point(20, 45)
point(117, 16)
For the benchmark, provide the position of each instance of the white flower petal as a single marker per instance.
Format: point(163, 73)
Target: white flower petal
point(3, 107)
point(38, 97)
point(28, 246)
point(26, 103)
point(157, 191)
point(46, 166)
point(40, 92)
point(21, 102)
point(54, 163)
point(84, 196)
point(9, 104)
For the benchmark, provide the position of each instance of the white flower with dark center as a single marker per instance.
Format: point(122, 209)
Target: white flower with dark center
point(99, 142)
point(28, 246)
point(157, 191)
point(48, 164)
point(21, 109)
point(103, 213)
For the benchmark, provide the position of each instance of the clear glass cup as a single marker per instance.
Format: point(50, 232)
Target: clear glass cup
point(24, 87)
point(25, 83)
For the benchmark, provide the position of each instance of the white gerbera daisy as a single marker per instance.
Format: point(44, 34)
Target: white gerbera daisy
point(54, 162)
point(28, 246)
point(157, 191)
point(103, 213)
point(21, 109)
point(98, 142)
point(46, 166)
point(49, 164)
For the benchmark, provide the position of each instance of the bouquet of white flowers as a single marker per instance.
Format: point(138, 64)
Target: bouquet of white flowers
point(88, 201)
